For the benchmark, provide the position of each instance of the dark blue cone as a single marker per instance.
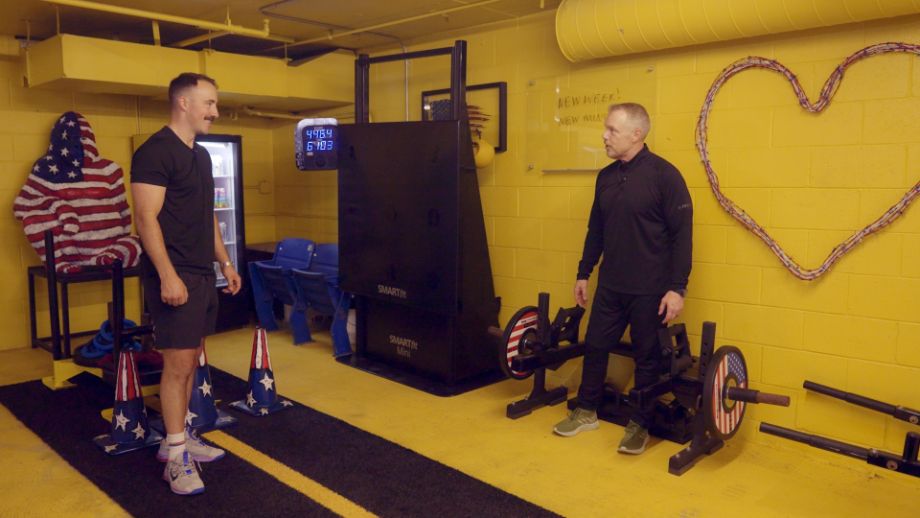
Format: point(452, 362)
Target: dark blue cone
point(262, 398)
point(130, 430)
point(203, 414)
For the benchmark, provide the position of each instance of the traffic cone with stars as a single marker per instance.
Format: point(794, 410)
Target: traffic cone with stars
point(130, 430)
point(262, 398)
point(203, 414)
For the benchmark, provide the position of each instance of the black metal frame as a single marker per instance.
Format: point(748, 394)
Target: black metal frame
point(671, 422)
point(681, 420)
point(502, 88)
point(466, 358)
point(457, 89)
point(58, 344)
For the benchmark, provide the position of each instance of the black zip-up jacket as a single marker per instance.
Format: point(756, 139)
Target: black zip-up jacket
point(642, 223)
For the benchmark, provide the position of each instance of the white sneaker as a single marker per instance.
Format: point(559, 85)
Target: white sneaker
point(200, 451)
point(182, 475)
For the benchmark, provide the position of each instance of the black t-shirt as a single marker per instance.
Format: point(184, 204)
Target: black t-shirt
point(642, 223)
point(187, 216)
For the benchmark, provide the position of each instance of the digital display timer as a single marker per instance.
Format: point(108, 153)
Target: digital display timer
point(320, 138)
point(315, 144)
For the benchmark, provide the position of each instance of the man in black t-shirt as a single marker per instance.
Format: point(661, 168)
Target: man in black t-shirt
point(641, 222)
point(173, 191)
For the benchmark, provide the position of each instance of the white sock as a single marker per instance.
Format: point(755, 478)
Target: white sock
point(176, 443)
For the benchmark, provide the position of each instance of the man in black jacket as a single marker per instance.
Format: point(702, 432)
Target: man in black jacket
point(641, 222)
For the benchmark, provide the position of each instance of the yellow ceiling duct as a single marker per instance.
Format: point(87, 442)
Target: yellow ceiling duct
point(79, 63)
point(589, 29)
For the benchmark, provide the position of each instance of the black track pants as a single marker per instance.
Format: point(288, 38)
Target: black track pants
point(610, 314)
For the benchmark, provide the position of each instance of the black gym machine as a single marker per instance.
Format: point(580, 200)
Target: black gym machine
point(412, 241)
point(709, 392)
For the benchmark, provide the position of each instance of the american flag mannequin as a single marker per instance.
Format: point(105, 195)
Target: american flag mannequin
point(80, 197)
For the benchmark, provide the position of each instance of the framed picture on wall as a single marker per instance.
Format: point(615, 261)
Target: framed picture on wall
point(487, 105)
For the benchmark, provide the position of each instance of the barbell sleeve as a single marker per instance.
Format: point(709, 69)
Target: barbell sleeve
point(849, 397)
point(756, 396)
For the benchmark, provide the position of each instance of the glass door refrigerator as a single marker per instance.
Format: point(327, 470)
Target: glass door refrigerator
point(227, 166)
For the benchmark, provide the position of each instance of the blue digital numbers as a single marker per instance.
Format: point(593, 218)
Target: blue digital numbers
point(318, 133)
point(319, 139)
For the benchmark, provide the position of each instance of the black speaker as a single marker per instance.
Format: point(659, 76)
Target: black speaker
point(413, 250)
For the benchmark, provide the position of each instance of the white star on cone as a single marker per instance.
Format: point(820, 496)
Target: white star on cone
point(121, 421)
point(205, 388)
point(267, 382)
point(189, 417)
point(249, 399)
point(139, 431)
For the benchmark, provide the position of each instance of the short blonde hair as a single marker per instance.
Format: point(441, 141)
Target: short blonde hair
point(636, 114)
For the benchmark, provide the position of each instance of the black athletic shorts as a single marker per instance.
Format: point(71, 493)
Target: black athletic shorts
point(182, 327)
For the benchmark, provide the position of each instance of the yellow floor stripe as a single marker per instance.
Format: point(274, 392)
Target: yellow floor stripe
point(306, 486)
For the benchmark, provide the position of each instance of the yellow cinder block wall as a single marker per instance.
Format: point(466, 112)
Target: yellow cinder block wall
point(810, 180)
point(27, 116)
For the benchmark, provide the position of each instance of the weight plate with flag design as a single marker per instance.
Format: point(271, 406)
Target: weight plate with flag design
point(726, 369)
point(521, 328)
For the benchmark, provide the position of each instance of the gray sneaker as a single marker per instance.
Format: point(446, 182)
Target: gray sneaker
point(182, 475)
point(199, 450)
point(634, 440)
point(580, 419)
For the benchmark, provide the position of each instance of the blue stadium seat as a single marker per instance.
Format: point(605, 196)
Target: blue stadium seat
point(270, 281)
point(304, 275)
point(318, 288)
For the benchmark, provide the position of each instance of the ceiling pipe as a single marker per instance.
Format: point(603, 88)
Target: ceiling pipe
point(265, 11)
point(271, 115)
point(162, 17)
point(198, 39)
point(248, 110)
point(440, 12)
